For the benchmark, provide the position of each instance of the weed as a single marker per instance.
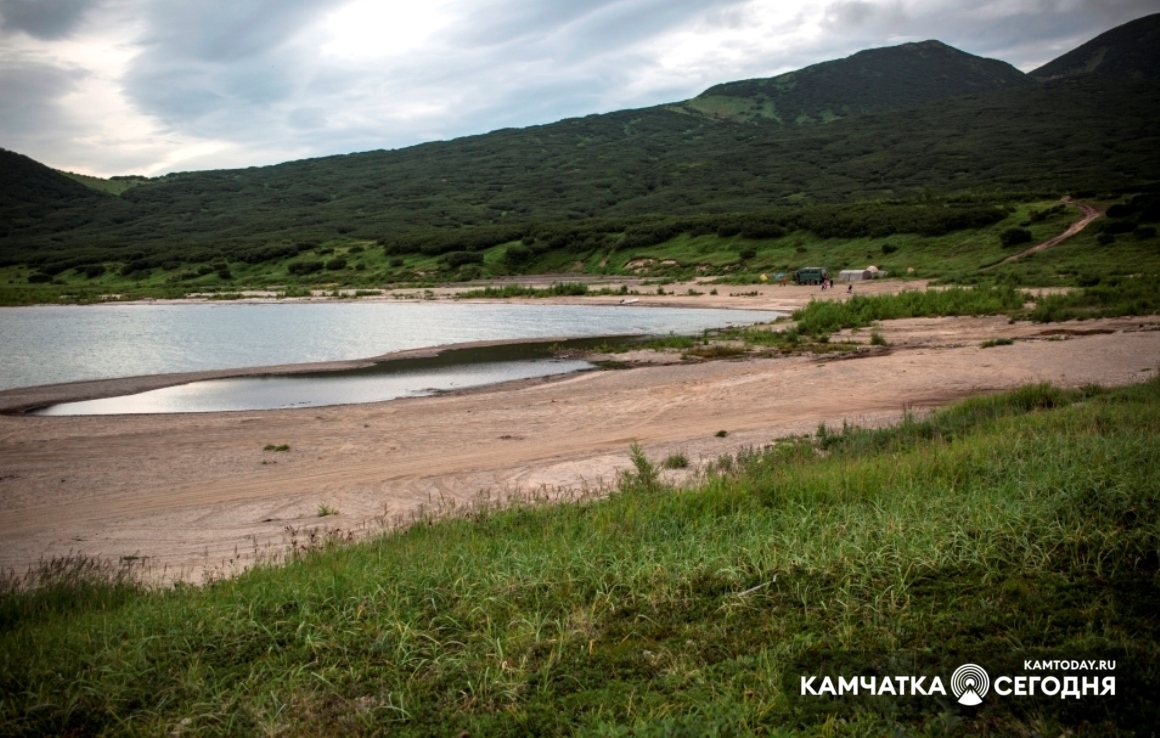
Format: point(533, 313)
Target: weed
point(721, 433)
point(676, 461)
point(280, 447)
point(326, 511)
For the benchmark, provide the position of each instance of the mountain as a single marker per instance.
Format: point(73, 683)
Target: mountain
point(31, 192)
point(920, 117)
point(1129, 51)
point(875, 80)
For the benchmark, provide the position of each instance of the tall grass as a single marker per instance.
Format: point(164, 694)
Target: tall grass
point(1004, 525)
point(1113, 299)
point(825, 317)
point(557, 289)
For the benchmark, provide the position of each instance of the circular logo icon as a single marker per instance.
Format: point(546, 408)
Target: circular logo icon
point(970, 683)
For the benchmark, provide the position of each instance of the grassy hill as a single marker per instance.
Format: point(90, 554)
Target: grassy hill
point(871, 81)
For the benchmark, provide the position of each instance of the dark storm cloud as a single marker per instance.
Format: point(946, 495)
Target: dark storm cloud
point(44, 19)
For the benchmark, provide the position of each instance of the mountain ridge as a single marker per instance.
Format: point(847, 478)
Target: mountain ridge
point(1131, 50)
point(873, 80)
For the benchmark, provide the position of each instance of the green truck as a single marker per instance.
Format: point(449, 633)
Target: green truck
point(810, 275)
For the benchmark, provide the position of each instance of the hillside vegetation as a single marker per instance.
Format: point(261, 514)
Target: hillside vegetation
point(946, 240)
point(876, 80)
point(1128, 51)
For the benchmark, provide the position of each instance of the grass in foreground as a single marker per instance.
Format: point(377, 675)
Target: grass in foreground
point(1016, 526)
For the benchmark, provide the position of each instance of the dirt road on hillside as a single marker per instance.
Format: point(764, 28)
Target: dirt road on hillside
point(1090, 213)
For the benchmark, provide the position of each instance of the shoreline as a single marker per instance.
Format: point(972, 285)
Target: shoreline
point(198, 497)
point(23, 400)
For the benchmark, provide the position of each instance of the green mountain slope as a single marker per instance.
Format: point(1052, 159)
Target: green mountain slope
point(875, 80)
point(1131, 50)
point(31, 193)
point(1085, 133)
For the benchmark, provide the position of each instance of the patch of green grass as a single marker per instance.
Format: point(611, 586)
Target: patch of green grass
point(279, 447)
point(676, 461)
point(997, 342)
point(1112, 298)
point(326, 511)
point(1013, 526)
point(821, 318)
point(559, 289)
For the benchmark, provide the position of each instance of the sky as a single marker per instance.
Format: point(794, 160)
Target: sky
point(107, 87)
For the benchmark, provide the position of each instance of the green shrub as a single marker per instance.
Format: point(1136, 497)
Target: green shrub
point(1014, 237)
point(302, 268)
point(456, 259)
point(336, 264)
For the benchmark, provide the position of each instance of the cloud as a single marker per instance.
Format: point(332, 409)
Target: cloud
point(167, 84)
point(45, 19)
point(32, 95)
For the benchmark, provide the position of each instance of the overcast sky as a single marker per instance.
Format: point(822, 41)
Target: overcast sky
point(109, 87)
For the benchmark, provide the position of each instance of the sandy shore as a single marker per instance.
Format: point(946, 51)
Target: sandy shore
point(196, 495)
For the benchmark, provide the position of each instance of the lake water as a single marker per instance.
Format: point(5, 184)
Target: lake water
point(49, 344)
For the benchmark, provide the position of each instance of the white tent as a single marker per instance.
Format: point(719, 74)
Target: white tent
point(855, 275)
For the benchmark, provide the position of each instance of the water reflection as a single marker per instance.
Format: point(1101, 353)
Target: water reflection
point(389, 380)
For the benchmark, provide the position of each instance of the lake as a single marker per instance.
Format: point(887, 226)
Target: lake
point(50, 344)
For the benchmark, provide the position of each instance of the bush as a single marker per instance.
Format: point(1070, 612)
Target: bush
point(1014, 237)
point(300, 268)
point(747, 253)
point(517, 256)
point(94, 270)
point(336, 264)
point(456, 259)
point(1145, 232)
point(39, 278)
point(1118, 226)
point(889, 248)
point(1105, 239)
